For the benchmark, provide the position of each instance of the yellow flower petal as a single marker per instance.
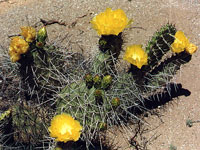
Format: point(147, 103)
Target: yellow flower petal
point(64, 128)
point(29, 33)
point(17, 47)
point(177, 47)
point(15, 58)
point(136, 55)
point(180, 42)
point(191, 48)
point(110, 22)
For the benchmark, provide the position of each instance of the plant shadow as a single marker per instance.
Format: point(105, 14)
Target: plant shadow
point(81, 145)
point(172, 90)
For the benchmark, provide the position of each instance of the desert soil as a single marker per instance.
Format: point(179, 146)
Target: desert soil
point(169, 128)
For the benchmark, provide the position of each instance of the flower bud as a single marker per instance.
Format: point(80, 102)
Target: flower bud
point(98, 93)
point(39, 44)
point(98, 97)
point(97, 81)
point(106, 82)
point(42, 35)
point(115, 102)
point(89, 80)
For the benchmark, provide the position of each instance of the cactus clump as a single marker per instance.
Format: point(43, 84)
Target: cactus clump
point(113, 96)
point(92, 92)
point(40, 69)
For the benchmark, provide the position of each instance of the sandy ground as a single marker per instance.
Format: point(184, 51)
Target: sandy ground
point(170, 128)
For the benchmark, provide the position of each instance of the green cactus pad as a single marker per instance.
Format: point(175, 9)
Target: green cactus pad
point(29, 123)
point(160, 44)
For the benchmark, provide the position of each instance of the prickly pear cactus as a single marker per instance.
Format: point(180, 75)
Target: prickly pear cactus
point(99, 98)
point(87, 101)
point(104, 96)
point(94, 92)
point(162, 63)
point(160, 44)
point(40, 70)
point(157, 48)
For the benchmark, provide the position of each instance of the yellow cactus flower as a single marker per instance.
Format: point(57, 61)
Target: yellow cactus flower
point(180, 42)
point(110, 22)
point(191, 48)
point(29, 33)
point(15, 58)
point(64, 128)
point(136, 55)
point(17, 47)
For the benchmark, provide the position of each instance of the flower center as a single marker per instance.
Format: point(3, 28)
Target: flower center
point(66, 128)
point(136, 57)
